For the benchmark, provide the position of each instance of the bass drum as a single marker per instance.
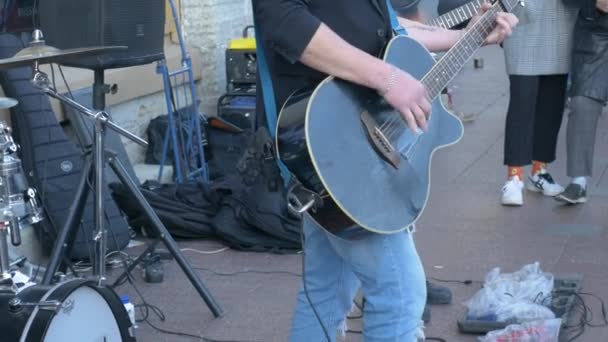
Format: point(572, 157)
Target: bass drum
point(85, 313)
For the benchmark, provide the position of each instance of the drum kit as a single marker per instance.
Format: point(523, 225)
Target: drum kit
point(59, 308)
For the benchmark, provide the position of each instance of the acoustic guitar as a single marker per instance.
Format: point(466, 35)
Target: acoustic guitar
point(344, 143)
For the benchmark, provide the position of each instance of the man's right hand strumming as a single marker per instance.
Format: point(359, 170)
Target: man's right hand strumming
point(408, 96)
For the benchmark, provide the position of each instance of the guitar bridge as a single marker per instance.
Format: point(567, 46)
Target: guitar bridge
point(379, 140)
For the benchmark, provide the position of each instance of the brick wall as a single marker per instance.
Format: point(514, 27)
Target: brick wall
point(209, 25)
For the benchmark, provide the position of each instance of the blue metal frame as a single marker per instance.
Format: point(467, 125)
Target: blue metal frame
point(192, 152)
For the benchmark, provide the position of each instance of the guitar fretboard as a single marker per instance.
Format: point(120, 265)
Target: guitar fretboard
point(453, 61)
point(457, 16)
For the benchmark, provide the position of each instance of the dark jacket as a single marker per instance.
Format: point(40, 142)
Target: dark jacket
point(405, 8)
point(589, 70)
point(287, 26)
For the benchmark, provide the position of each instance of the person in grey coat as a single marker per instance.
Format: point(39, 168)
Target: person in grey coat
point(537, 57)
point(589, 93)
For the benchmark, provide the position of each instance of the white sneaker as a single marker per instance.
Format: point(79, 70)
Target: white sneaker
point(512, 192)
point(543, 182)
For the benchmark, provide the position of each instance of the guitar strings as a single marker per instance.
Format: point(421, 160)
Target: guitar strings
point(392, 126)
point(396, 127)
point(388, 125)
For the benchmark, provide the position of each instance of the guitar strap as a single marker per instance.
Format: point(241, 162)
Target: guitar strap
point(270, 107)
point(397, 28)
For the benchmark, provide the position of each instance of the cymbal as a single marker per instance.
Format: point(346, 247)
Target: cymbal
point(44, 54)
point(7, 102)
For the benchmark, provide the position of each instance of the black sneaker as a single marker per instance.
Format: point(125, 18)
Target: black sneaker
point(573, 194)
point(437, 295)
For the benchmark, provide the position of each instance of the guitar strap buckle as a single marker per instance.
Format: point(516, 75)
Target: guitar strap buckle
point(300, 199)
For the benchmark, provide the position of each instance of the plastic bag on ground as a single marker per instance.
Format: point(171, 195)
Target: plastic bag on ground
point(535, 331)
point(520, 296)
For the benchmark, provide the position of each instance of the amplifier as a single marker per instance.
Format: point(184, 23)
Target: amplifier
point(137, 24)
point(241, 64)
point(238, 110)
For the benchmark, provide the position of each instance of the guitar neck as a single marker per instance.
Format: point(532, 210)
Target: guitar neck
point(454, 60)
point(457, 16)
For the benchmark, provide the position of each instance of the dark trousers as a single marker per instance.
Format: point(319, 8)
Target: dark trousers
point(534, 117)
point(580, 137)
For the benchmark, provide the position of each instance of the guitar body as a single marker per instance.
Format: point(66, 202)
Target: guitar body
point(323, 142)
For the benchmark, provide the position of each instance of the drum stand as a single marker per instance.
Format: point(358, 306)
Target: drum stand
point(94, 169)
point(18, 204)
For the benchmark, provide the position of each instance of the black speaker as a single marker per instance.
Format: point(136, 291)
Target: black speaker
point(137, 24)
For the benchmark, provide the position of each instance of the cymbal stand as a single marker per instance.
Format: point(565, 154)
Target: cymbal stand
point(95, 168)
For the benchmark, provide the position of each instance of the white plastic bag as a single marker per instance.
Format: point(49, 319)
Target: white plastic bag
point(513, 297)
point(535, 331)
point(522, 311)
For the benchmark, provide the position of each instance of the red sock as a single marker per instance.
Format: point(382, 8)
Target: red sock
point(516, 171)
point(537, 167)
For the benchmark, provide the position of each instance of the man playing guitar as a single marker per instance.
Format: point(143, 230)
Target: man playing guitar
point(304, 41)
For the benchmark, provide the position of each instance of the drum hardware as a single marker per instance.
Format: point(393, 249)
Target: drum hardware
point(16, 304)
point(19, 262)
point(18, 204)
point(95, 160)
point(71, 311)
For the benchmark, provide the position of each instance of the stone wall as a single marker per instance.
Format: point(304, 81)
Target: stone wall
point(209, 25)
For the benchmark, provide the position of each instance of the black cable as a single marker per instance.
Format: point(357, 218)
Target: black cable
point(603, 309)
point(314, 310)
point(579, 328)
point(176, 333)
point(169, 332)
point(465, 282)
point(586, 316)
point(223, 274)
point(145, 308)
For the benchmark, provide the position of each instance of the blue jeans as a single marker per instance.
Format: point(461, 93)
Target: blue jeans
point(386, 267)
